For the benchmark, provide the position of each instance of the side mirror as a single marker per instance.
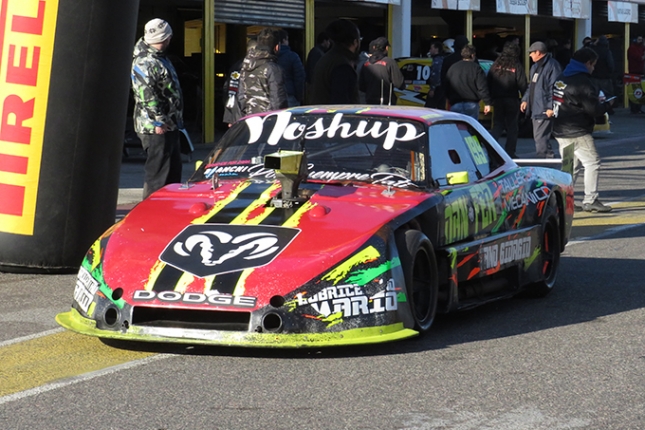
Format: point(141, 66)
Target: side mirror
point(457, 178)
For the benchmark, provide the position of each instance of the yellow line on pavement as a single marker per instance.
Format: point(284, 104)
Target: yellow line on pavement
point(51, 358)
point(624, 213)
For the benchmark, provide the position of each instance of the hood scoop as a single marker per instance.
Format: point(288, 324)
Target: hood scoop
point(290, 169)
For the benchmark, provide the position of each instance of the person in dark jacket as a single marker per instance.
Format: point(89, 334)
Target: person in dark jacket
point(335, 77)
point(507, 84)
point(537, 102)
point(380, 75)
point(293, 71)
point(605, 67)
point(323, 43)
point(576, 104)
point(459, 42)
point(467, 85)
point(436, 97)
point(158, 108)
point(232, 110)
point(261, 85)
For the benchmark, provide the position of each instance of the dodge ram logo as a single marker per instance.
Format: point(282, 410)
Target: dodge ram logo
point(211, 249)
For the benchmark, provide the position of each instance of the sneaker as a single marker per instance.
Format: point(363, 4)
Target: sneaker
point(596, 206)
point(577, 207)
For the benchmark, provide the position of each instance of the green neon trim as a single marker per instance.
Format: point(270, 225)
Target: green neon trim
point(73, 321)
point(362, 277)
point(531, 259)
point(97, 274)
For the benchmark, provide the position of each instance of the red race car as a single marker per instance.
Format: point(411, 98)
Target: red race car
point(327, 225)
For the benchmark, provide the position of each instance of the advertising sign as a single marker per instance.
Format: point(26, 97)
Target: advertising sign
point(26, 48)
point(620, 11)
point(517, 7)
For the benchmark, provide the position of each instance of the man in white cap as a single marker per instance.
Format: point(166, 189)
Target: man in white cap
point(158, 109)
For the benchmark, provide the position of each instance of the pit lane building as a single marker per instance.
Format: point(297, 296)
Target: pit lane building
point(207, 47)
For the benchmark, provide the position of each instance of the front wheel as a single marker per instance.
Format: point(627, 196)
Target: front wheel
point(421, 278)
point(549, 252)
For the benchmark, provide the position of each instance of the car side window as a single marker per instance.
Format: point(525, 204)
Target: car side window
point(458, 147)
point(449, 153)
point(484, 156)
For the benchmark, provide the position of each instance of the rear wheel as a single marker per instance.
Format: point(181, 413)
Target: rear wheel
point(549, 251)
point(421, 278)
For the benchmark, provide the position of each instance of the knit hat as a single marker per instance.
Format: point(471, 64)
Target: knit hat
point(156, 31)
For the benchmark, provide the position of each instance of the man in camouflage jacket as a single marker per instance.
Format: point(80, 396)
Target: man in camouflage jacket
point(158, 107)
point(262, 86)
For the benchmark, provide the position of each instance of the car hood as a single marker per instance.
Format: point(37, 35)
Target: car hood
point(230, 240)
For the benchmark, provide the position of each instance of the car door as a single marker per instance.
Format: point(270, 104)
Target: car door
point(462, 163)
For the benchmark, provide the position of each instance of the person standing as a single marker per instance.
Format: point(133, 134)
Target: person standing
point(335, 78)
point(467, 85)
point(563, 53)
point(576, 104)
point(604, 69)
point(232, 110)
point(158, 106)
point(537, 102)
point(323, 43)
point(380, 75)
point(507, 84)
point(458, 44)
point(261, 86)
point(436, 97)
point(293, 72)
point(636, 66)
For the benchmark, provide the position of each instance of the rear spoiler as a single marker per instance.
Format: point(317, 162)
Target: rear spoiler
point(565, 163)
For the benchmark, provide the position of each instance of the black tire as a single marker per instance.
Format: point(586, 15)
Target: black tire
point(550, 251)
point(421, 276)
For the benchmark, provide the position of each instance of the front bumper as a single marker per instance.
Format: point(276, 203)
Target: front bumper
point(74, 321)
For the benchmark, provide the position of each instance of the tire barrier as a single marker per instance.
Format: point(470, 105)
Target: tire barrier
point(64, 83)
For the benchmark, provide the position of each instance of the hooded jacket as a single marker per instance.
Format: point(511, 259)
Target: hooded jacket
point(261, 87)
point(158, 99)
point(575, 102)
point(293, 72)
point(380, 75)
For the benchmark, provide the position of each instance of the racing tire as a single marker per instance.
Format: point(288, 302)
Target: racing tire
point(550, 246)
point(419, 267)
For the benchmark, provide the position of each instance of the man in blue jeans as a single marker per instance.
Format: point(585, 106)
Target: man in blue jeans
point(466, 85)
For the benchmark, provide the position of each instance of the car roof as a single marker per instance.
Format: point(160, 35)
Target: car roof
point(425, 115)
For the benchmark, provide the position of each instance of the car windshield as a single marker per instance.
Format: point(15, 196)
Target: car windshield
point(339, 147)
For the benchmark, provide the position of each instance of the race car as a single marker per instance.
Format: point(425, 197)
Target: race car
point(324, 226)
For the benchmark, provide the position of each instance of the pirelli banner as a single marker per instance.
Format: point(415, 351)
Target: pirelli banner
point(64, 82)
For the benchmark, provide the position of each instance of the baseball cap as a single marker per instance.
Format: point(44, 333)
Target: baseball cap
point(537, 46)
point(380, 43)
